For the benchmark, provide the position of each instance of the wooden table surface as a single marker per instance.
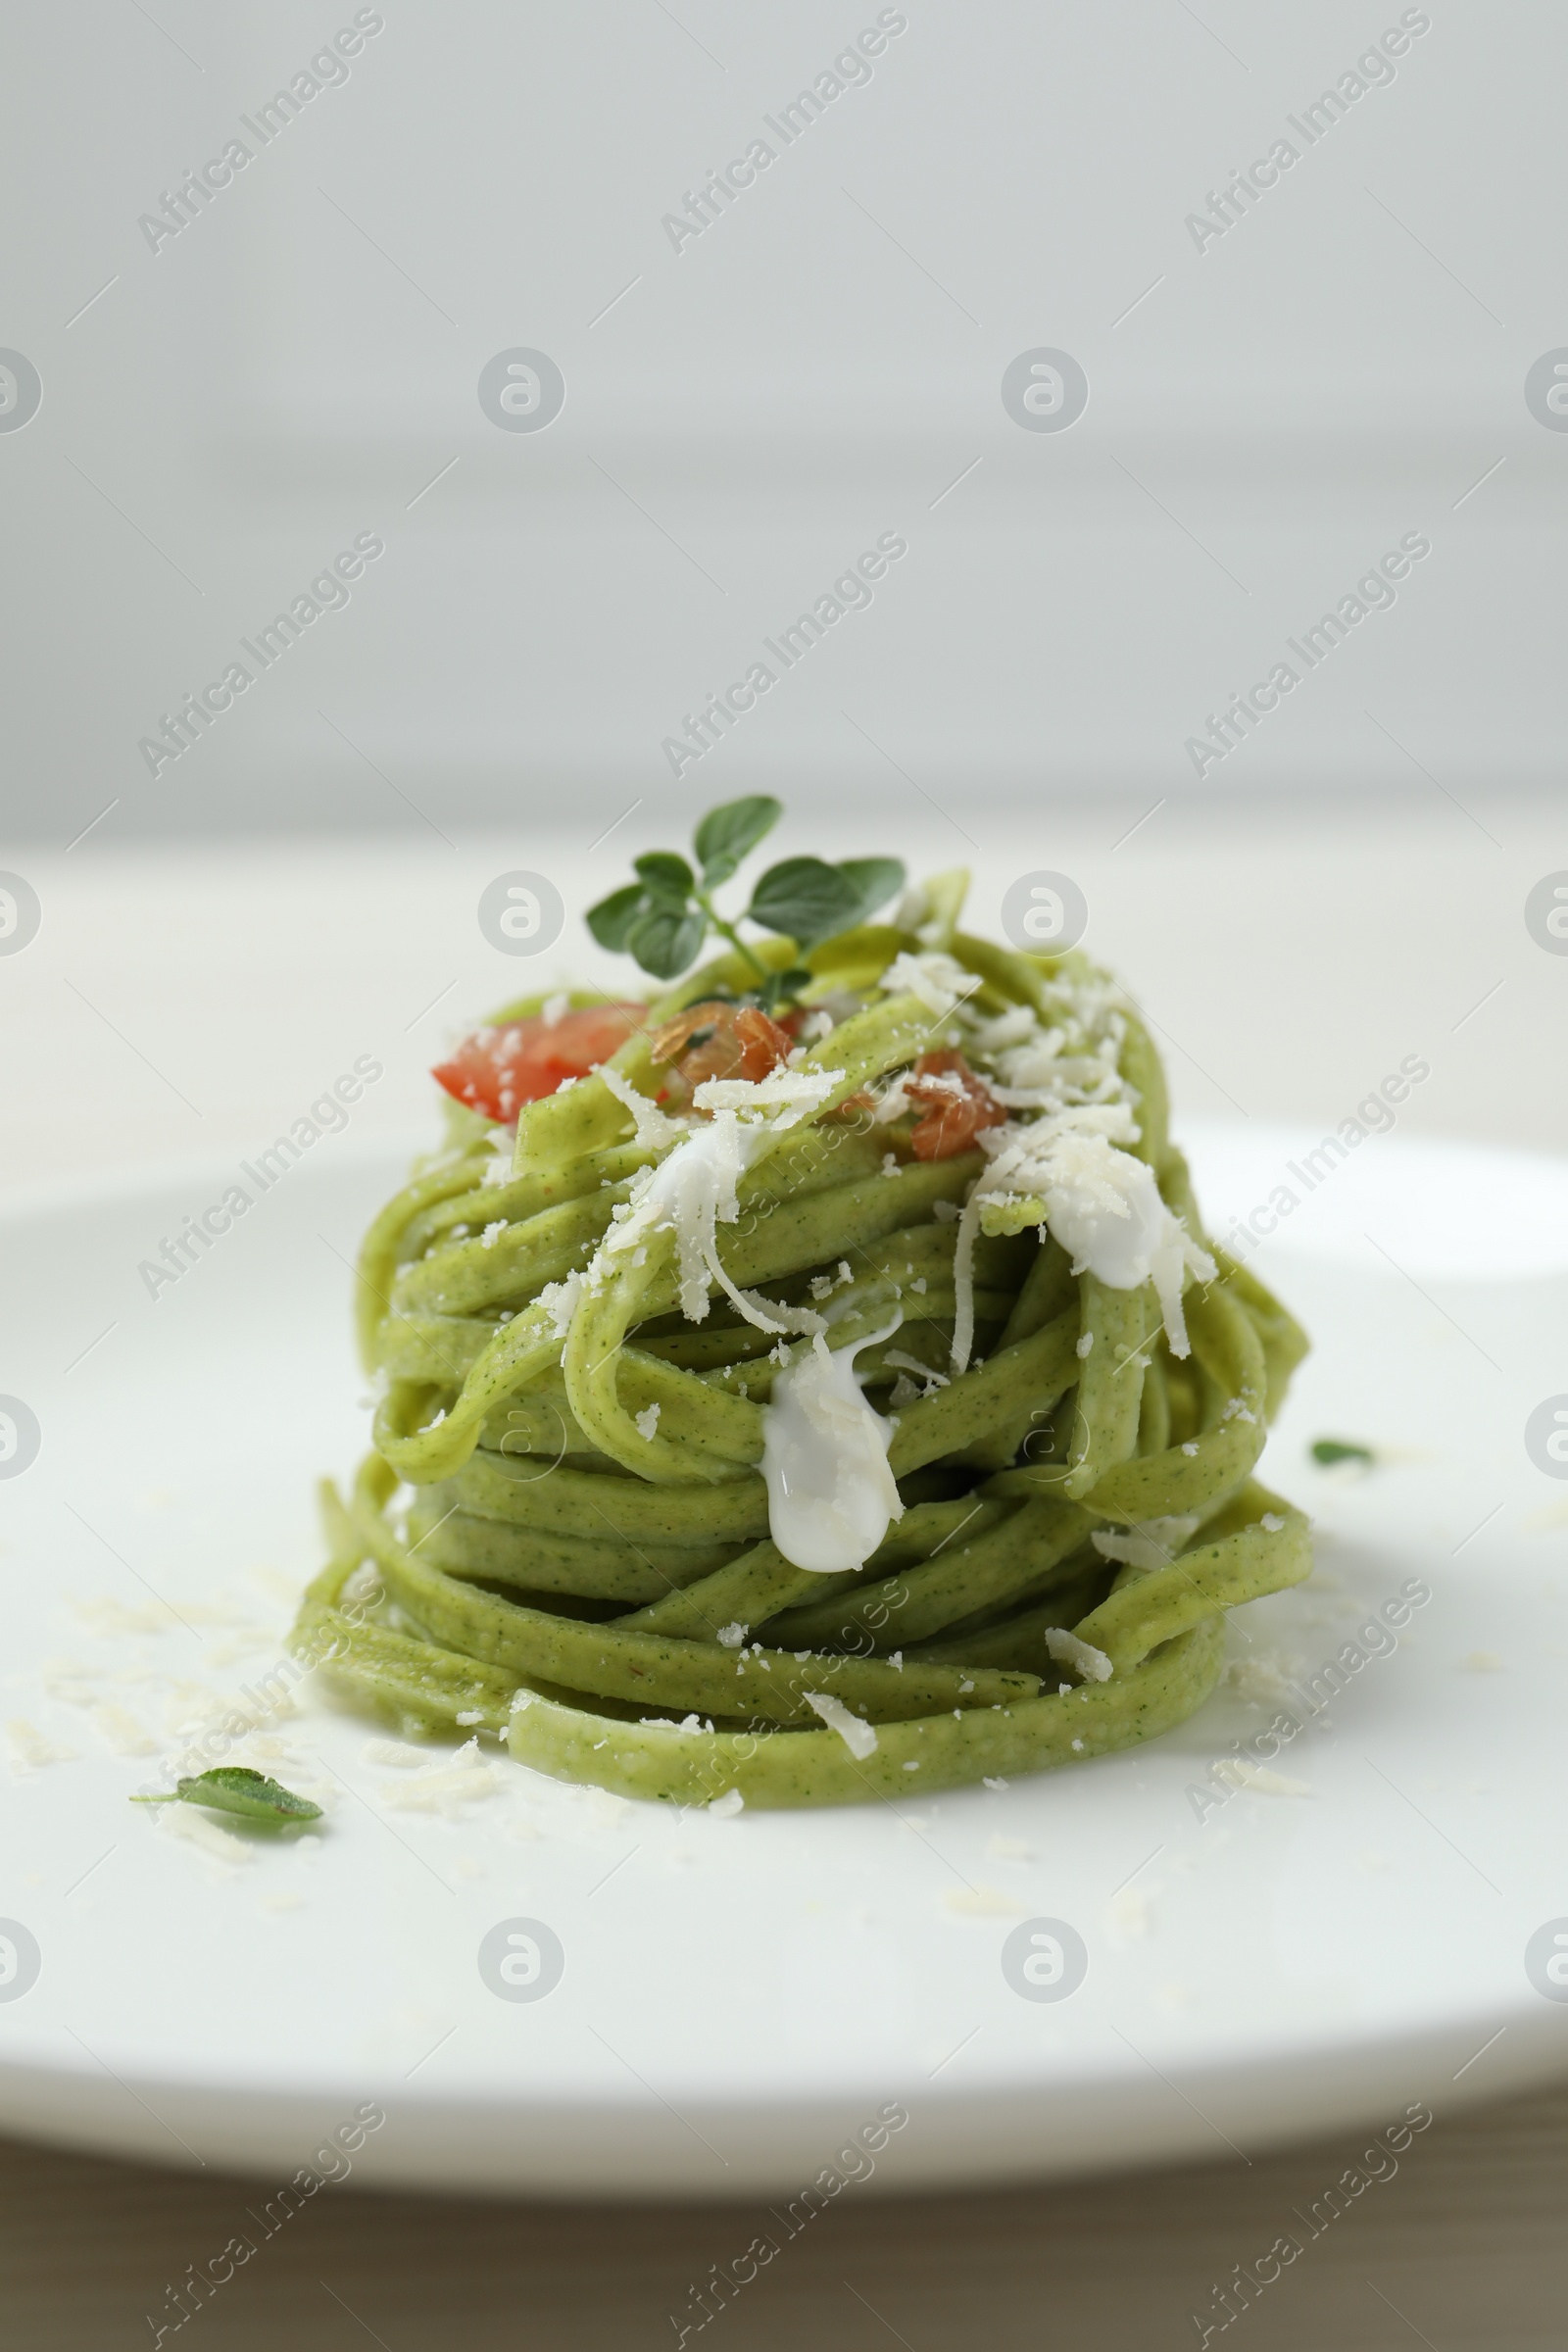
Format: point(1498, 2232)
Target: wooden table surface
point(1380, 938)
point(1464, 2249)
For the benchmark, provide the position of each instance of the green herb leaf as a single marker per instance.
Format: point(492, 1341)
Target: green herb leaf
point(1326, 1451)
point(804, 899)
point(877, 879)
point(664, 917)
point(612, 920)
point(667, 879)
point(234, 1788)
point(728, 834)
point(667, 940)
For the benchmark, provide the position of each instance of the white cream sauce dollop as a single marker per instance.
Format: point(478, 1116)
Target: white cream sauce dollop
point(831, 1492)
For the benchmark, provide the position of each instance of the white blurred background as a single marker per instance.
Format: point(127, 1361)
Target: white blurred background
point(815, 367)
point(1269, 410)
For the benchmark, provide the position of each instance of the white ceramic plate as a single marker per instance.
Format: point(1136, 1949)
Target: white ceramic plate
point(740, 1996)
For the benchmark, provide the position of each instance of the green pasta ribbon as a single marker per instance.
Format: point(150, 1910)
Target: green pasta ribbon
point(562, 1533)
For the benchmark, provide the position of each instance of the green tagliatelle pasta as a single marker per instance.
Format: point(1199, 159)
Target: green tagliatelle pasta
point(570, 1531)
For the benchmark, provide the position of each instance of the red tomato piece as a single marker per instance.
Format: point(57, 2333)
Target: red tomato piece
point(498, 1070)
point(953, 1114)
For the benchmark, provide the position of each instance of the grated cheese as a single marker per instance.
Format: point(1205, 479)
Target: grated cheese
point(1127, 1914)
point(1241, 1775)
point(937, 979)
point(655, 1130)
point(694, 1189)
point(195, 1829)
point(1102, 1205)
point(30, 1745)
point(560, 1302)
point(1149, 1544)
point(981, 1902)
point(449, 1786)
point(123, 1731)
point(1067, 1650)
point(857, 1736)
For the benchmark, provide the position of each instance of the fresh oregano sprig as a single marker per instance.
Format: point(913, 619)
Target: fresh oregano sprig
point(664, 917)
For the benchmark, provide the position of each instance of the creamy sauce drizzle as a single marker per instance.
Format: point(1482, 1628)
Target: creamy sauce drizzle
point(830, 1492)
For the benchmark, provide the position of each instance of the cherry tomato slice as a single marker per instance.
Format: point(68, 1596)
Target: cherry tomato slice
point(953, 1115)
point(732, 1041)
point(498, 1070)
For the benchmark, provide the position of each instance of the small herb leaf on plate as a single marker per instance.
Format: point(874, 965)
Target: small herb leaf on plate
point(1326, 1451)
point(236, 1788)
